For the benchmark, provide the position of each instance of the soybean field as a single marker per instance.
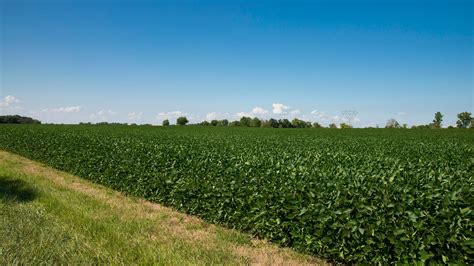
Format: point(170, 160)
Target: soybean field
point(350, 196)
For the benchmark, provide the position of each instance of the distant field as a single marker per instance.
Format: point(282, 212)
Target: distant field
point(356, 195)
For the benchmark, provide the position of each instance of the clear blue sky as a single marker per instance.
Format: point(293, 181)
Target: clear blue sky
point(143, 61)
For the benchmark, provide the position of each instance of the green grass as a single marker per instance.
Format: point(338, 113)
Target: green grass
point(47, 216)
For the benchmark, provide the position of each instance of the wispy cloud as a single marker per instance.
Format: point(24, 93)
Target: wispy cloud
point(135, 116)
point(102, 115)
point(171, 114)
point(67, 109)
point(321, 115)
point(346, 117)
point(295, 112)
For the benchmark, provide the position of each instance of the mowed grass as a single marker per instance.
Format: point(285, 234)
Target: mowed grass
point(48, 216)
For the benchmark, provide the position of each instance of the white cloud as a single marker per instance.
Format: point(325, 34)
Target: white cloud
point(8, 101)
point(9, 104)
point(295, 112)
point(320, 115)
point(173, 115)
point(349, 120)
point(279, 108)
point(242, 114)
point(67, 109)
point(102, 115)
point(106, 112)
point(211, 116)
point(339, 119)
point(259, 111)
point(170, 115)
point(216, 116)
point(256, 112)
point(323, 116)
point(135, 115)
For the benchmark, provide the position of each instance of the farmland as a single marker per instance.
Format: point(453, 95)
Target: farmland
point(356, 195)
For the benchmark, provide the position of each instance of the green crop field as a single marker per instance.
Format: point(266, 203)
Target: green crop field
point(356, 195)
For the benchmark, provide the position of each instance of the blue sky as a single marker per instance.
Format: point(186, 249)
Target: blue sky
point(143, 61)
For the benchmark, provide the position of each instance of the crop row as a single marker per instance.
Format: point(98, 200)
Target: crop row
point(372, 196)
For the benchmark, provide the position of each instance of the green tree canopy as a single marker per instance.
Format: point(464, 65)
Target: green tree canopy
point(245, 121)
point(17, 119)
point(464, 120)
point(182, 121)
point(255, 122)
point(223, 122)
point(437, 120)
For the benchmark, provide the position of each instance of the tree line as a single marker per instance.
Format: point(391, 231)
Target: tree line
point(465, 120)
point(17, 119)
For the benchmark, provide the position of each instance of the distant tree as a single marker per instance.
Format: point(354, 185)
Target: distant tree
point(165, 123)
point(298, 123)
point(317, 125)
point(214, 123)
point(273, 123)
point(17, 119)
point(255, 122)
point(405, 126)
point(344, 126)
point(284, 123)
point(450, 127)
point(223, 123)
point(464, 120)
point(424, 126)
point(205, 123)
point(437, 120)
point(265, 123)
point(332, 125)
point(234, 124)
point(182, 121)
point(245, 121)
point(392, 123)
